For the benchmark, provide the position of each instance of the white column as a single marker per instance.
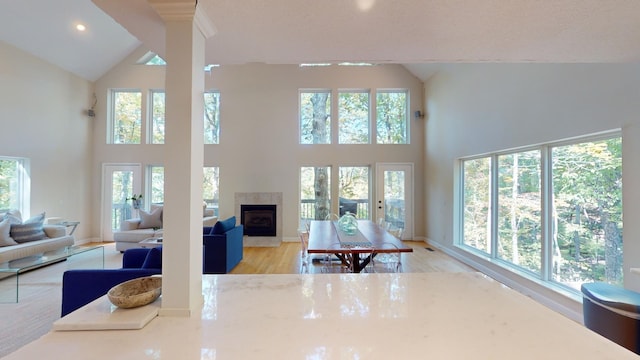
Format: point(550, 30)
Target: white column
point(186, 31)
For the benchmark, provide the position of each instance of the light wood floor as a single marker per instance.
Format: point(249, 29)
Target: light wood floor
point(285, 259)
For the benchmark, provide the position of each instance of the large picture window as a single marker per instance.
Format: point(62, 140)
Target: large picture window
point(315, 193)
point(353, 191)
point(14, 183)
point(505, 205)
point(211, 188)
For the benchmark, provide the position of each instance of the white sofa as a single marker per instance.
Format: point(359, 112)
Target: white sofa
point(56, 239)
point(131, 233)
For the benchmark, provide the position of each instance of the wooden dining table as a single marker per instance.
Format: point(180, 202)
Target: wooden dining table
point(355, 255)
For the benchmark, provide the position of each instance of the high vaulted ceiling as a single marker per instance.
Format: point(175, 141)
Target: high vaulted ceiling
point(410, 32)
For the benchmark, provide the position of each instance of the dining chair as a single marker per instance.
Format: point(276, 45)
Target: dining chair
point(304, 254)
point(385, 258)
point(332, 264)
point(394, 230)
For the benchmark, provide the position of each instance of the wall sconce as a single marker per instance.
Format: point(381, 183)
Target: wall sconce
point(418, 114)
point(91, 112)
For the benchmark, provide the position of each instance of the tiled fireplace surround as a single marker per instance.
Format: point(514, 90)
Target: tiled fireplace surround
point(261, 198)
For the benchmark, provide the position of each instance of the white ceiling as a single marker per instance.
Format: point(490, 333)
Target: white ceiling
point(411, 32)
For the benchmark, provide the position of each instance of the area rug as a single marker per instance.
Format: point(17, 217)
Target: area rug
point(39, 299)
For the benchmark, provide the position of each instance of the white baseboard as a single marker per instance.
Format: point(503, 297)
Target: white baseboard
point(564, 303)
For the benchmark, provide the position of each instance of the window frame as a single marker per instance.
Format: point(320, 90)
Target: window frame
point(111, 133)
point(407, 123)
point(22, 198)
point(217, 114)
point(545, 277)
point(368, 117)
point(330, 111)
point(151, 119)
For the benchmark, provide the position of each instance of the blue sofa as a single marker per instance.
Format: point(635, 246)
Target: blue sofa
point(80, 287)
point(223, 246)
point(222, 251)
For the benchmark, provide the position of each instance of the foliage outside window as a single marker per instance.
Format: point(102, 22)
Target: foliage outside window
point(315, 117)
point(126, 114)
point(519, 207)
point(391, 122)
point(210, 186)
point(212, 117)
point(211, 190)
point(156, 176)
point(13, 176)
point(353, 191)
point(584, 240)
point(315, 196)
point(158, 116)
point(353, 117)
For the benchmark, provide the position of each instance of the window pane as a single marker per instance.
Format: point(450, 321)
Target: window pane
point(11, 187)
point(477, 204)
point(519, 210)
point(157, 184)
point(211, 189)
point(212, 117)
point(121, 192)
point(315, 197)
point(391, 124)
point(587, 201)
point(353, 117)
point(127, 117)
point(354, 191)
point(315, 117)
point(158, 109)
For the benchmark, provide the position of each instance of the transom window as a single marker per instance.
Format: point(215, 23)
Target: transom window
point(354, 113)
point(391, 121)
point(157, 116)
point(212, 117)
point(315, 117)
point(353, 117)
point(505, 202)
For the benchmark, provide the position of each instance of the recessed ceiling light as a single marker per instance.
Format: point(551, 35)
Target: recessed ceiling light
point(81, 27)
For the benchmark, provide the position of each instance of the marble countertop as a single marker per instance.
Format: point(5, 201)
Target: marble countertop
point(345, 316)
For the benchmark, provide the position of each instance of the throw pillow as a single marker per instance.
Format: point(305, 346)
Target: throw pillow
point(5, 237)
point(13, 216)
point(223, 226)
point(150, 220)
point(153, 259)
point(30, 230)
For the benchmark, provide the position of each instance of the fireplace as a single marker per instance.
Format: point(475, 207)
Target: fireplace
point(258, 220)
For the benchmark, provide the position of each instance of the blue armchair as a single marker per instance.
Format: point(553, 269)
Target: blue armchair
point(80, 287)
point(223, 246)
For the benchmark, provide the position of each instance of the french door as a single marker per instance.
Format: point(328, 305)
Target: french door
point(394, 196)
point(119, 183)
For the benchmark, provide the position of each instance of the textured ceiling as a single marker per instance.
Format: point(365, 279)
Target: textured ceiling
point(413, 32)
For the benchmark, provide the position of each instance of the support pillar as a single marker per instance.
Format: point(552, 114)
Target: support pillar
point(187, 27)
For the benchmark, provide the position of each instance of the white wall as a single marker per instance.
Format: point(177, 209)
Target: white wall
point(259, 150)
point(43, 118)
point(478, 108)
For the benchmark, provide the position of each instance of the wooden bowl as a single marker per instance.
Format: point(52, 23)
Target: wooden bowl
point(136, 292)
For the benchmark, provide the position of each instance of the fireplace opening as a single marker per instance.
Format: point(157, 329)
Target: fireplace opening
point(258, 220)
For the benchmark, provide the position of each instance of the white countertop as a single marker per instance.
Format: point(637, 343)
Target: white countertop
point(345, 316)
